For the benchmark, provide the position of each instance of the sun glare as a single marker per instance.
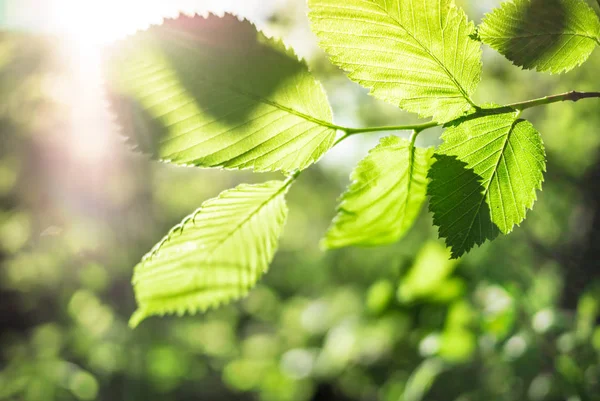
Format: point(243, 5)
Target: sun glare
point(83, 28)
point(93, 23)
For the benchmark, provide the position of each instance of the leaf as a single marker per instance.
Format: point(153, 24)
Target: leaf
point(215, 92)
point(548, 35)
point(484, 178)
point(422, 379)
point(215, 255)
point(386, 194)
point(416, 54)
point(429, 276)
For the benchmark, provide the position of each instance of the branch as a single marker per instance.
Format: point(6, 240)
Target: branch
point(563, 97)
point(572, 96)
point(414, 127)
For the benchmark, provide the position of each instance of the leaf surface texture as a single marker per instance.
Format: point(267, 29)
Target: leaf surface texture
point(386, 194)
point(215, 92)
point(215, 255)
point(416, 54)
point(546, 35)
point(484, 178)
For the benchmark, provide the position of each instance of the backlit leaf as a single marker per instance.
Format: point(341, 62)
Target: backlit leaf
point(215, 92)
point(387, 191)
point(484, 179)
point(416, 54)
point(215, 255)
point(548, 35)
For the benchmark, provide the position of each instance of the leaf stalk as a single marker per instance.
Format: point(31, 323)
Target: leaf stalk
point(572, 96)
point(413, 127)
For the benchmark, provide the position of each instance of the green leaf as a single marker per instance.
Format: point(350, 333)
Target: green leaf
point(548, 35)
point(422, 379)
point(215, 92)
point(429, 276)
point(416, 54)
point(387, 191)
point(215, 255)
point(484, 178)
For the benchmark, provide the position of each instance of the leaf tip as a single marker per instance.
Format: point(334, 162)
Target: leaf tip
point(325, 244)
point(456, 254)
point(138, 316)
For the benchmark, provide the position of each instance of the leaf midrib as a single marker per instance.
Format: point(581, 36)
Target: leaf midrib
point(594, 38)
point(219, 243)
point(411, 164)
point(443, 67)
point(489, 183)
point(253, 96)
point(160, 299)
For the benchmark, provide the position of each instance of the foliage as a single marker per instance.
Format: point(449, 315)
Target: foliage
point(180, 85)
point(214, 255)
point(518, 317)
point(484, 179)
point(385, 197)
point(418, 55)
point(548, 35)
point(214, 92)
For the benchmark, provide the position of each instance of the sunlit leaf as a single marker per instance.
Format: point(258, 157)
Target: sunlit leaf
point(387, 191)
point(428, 277)
point(215, 255)
point(215, 92)
point(548, 35)
point(421, 379)
point(484, 179)
point(415, 54)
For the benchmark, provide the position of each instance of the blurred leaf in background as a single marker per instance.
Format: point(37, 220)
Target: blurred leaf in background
point(516, 319)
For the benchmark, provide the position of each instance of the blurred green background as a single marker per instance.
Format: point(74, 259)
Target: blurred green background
point(516, 319)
